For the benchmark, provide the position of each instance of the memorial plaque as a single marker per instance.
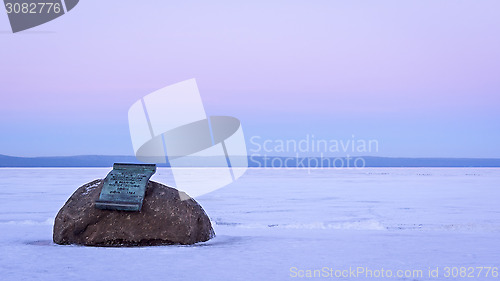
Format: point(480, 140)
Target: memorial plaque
point(124, 187)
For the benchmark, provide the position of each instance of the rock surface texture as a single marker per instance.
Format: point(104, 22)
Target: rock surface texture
point(163, 220)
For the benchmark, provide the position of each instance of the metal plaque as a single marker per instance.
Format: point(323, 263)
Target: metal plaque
point(125, 186)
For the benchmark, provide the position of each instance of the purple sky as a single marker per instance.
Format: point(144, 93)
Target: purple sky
point(421, 77)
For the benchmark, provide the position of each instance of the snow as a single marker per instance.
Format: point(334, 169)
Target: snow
point(270, 224)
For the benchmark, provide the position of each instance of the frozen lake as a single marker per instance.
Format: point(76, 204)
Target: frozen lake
point(276, 224)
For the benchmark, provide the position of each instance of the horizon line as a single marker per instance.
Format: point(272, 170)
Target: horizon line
point(261, 156)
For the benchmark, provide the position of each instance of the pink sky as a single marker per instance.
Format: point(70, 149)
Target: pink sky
point(298, 64)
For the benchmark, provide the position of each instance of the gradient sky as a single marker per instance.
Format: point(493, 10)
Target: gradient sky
point(421, 77)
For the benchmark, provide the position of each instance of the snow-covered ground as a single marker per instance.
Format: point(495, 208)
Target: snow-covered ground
point(274, 224)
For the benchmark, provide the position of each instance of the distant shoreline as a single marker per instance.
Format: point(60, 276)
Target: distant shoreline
point(255, 162)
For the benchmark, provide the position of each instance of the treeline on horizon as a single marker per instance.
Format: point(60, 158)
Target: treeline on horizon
point(256, 161)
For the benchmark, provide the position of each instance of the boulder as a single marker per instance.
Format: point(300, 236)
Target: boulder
point(163, 220)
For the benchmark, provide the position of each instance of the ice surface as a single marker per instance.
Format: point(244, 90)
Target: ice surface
point(269, 221)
